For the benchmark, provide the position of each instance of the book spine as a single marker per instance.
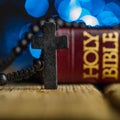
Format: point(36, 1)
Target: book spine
point(92, 57)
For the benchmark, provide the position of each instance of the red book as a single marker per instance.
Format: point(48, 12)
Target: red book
point(92, 56)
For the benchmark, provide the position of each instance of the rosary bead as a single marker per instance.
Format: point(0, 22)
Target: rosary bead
point(35, 28)
point(3, 79)
point(42, 22)
point(74, 24)
point(17, 50)
point(23, 43)
point(68, 24)
point(29, 36)
point(37, 64)
point(51, 20)
point(60, 23)
point(82, 25)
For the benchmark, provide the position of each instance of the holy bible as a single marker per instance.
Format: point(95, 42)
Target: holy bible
point(92, 56)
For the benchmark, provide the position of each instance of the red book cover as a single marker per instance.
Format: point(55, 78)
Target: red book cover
point(92, 56)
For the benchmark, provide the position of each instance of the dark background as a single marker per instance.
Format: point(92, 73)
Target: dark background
point(12, 18)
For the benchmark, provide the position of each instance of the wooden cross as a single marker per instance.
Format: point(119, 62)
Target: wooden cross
point(49, 43)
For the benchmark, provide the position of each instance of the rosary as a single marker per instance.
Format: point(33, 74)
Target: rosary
point(45, 66)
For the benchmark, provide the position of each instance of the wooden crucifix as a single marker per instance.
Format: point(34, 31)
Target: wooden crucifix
point(49, 43)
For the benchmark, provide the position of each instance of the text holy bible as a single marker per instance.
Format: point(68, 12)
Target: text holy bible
point(92, 56)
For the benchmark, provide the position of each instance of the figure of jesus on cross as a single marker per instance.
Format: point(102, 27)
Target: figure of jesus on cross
point(49, 43)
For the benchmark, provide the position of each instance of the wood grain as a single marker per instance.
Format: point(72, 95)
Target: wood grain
point(68, 102)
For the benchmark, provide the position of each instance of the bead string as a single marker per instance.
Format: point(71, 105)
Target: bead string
point(34, 29)
point(37, 67)
point(38, 64)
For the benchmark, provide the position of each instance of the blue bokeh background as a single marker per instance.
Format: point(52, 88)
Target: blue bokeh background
point(16, 17)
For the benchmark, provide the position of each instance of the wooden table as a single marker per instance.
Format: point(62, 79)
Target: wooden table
point(82, 102)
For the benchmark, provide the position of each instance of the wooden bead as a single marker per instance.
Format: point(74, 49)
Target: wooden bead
point(35, 28)
point(17, 50)
point(3, 79)
point(29, 36)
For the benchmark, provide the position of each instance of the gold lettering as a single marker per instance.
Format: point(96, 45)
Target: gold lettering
point(110, 55)
point(90, 67)
point(89, 62)
point(114, 49)
point(91, 74)
point(89, 40)
point(110, 73)
point(110, 37)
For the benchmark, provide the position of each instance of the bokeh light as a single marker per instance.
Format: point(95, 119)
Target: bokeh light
point(36, 8)
point(74, 10)
point(90, 20)
point(94, 6)
point(56, 3)
point(108, 18)
point(36, 53)
point(69, 10)
point(85, 12)
point(114, 7)
point(84, 0)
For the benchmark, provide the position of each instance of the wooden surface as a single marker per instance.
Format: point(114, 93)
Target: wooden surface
point(82, 102)
point(112, 92)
